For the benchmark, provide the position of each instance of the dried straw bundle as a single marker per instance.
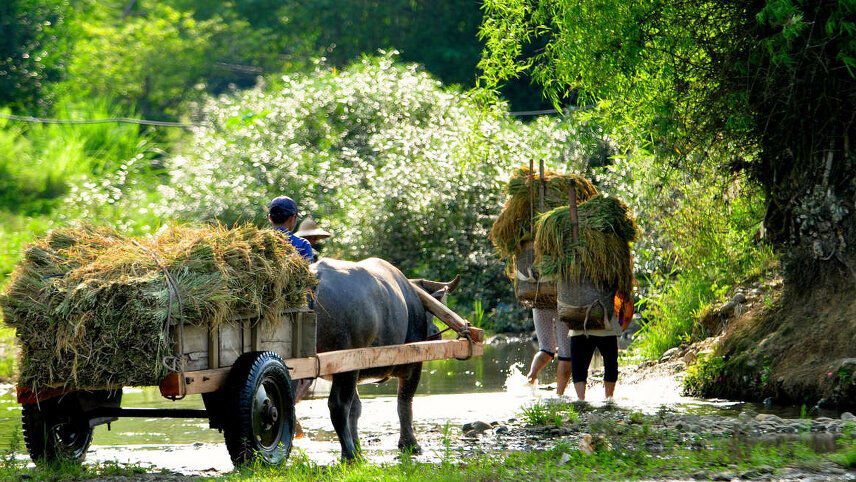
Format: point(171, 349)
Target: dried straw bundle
point(91, 307)
point(514, 224)
point(602, 252)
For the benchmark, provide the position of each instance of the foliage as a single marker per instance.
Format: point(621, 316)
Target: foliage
point(392, 163)
point(92, 307)
point(34, 44)
point(40, 162)
point(697, 240)
point(766, 87)
point(707, 370)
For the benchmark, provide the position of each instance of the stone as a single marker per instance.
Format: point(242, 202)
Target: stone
point(848, 416)
point(471, 434)
point(768, 417)
point(669, 354)
point(738, 298)
point(768, 402)
point(502, 429)
point(756, 292)
point(498, 339)
point(565, 458)
point(585, 444)
point(477, 426)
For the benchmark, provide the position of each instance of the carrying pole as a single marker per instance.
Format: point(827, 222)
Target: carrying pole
point(572, 210)
point(541, 187)
point(531, 194)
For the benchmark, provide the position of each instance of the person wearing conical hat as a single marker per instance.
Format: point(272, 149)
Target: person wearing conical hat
point(310, 231)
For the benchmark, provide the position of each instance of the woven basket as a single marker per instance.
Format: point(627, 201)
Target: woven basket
point(584, 305)
point(530, 288)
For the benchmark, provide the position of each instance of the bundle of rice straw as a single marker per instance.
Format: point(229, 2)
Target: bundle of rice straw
point(92, 308)
point(513, 227)
point(602, 252)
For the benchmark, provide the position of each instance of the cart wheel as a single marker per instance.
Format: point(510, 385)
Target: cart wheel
point(53, 432)
point(260, 409)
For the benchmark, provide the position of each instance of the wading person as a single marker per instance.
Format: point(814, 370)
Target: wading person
point(584, 342)
point(310, 231)
point(552, 340)
point(282, 214)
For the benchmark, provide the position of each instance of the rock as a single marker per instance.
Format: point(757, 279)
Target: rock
point(502, 429)
point(756, 292)
point(498, 339)
point(727, 309)
point(669, 354)
point(768, 402)
point(690, 357)
point(565, 458)
point(848, 416)
point(477, 427)
point(724, 476)
point(738, 298)
point(585, 444)
point(471, 434)
point(847, 364)
point(744, 416)
point(767, 417)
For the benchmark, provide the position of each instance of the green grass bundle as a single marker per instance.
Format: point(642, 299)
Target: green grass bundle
point(602, 252)
point(513, 227)
point(91, 306)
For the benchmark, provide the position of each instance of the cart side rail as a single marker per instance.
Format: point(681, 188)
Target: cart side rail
point(332, 362)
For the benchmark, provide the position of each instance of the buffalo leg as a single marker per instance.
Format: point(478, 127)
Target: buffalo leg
point(341, 396)
point(354, 417)
point(407, 384)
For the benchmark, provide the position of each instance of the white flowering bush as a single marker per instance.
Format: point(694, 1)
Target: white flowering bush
point(381, 154)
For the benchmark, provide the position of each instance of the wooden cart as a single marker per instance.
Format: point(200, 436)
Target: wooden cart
point(245, 371)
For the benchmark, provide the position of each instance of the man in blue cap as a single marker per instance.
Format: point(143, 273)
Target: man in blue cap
point(282, 213)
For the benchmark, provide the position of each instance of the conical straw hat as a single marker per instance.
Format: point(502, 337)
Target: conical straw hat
point(308, 227)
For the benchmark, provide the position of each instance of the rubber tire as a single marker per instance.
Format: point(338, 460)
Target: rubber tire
point(245, 377)
point(37, 422)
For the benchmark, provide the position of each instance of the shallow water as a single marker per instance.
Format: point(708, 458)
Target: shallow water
point(452, 392)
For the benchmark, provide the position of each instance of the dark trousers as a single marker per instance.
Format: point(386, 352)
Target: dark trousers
point(582, 349)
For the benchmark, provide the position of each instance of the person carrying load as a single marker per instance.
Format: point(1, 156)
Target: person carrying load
point(282, 214)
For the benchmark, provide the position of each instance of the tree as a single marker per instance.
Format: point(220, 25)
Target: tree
point(34, 44)
point(766, 86)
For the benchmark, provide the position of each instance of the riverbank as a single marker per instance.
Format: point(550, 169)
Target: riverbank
point(554, 439)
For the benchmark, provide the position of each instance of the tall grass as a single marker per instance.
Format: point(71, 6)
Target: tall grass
point(712, 250)
point(38, 162)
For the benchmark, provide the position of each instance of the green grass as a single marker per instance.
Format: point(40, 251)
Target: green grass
point(549, 413)
point(563, 462)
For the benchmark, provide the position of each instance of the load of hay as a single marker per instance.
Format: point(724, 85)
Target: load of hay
point(93, 308)
point(513, 227)
point(601, 253)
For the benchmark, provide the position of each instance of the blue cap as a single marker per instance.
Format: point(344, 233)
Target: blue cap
point(284, 205)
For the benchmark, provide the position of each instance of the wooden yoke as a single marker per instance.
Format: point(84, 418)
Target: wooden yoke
point(447, 316)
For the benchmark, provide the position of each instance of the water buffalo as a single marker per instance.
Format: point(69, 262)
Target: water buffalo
point(371, 303)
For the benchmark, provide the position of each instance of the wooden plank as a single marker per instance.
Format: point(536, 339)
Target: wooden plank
point(446, 315)
point(331, 362)
point(214, 347)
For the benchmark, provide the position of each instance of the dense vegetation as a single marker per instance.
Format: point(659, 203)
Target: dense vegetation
point(392, 160)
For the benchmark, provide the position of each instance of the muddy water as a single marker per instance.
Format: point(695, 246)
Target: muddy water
point(489, 388)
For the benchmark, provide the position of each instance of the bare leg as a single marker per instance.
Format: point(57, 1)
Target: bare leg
point(341, 395)
point(580, 388)
point(608, 389)
point(563, 376)
point(539, 361)
point(407, 385)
